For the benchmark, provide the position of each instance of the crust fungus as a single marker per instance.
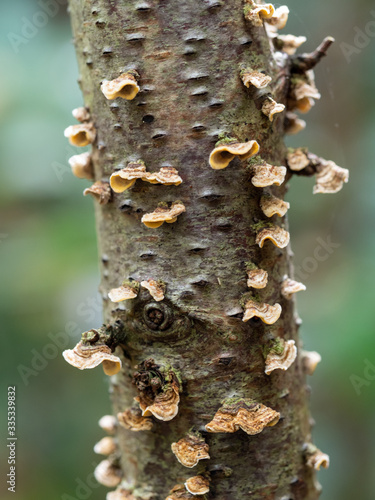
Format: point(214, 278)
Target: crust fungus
point(243, 414)
point(108, 423)
point(276, 234)
point(267, 313)
point(85, 356)
point(310, 360)
point(190, 449)
point(225, 152)
point(108, 474)
point(267, 175)
point(289, 287)
point(81, 135)
point(271, 205)
point(125, 86)
point(179, 492)
point(132, 420)
point(158, 391)
point(297, 159)
point(127, 291)
point(281, 355)
point(163, 214)
point(125, 178)
point(330, 178)
point(156, 289)
point(293, 124)
point(289, 43)
point(105, 446)
point(120, 494)
point(100, 191)
point(315, 458)
point(256, 278)
point(82, 166)
point(197, 485)
point(81, 114)
point(303, 92)
point(256, 13)
point(270, 108)
point(166, 175)
point(258, 80)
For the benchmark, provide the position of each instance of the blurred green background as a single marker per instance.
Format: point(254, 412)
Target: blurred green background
point(49, 273)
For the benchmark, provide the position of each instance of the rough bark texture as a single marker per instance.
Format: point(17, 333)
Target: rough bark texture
point(189, 54)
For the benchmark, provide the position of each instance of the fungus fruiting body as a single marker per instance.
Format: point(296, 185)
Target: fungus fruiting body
point(197, 485)
point(82, 166)
point(85, 357)
point(164, 406)
point(108, 423)
point(156, 289)
point(81, 135)
point(330, 178)
point(257, 278)
point(244, 414)
point(271, 108)
point(310, 360)
point(100, 191)
point(281, 357)
point(125, 86)
point(124, 292)
point(268, 175)
point(271, 205)
point(133, 420)
point(267, 313)
point(224, 153)
point(289, 287)
point(258, 80)
point(105, 446)
point(108, 474)
point(297, 159)
point(316, 458)
point(124, 179)
point(290, 43)
point(256, 13)
point(120, 494)
point(81, 114)
point(190, 450)
point(163, 214)
point(276, 234)
point(293, 124)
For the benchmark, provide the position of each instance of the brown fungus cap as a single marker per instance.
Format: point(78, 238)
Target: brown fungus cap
point(100, 191)
point(179, 492)
point(123, 292)
point(132, 420)
point(120, 494)
point(223, 153)
point(257, 13)
point(108, 474)
point(197, 485)
point(271, 205)
point(82, 166)
point(281, 361)
point(279, 18)
point(190, 449)
point(125, 86)
point(289, 287)
point(106, 446)
point(81, 114)
point(315, 458)
point(331, 178)
point(243, 414)
point(271, 108)
point(165, 404)
point(258, 80)
point(86, 357)
point(156, 289)
point(257, 278)
point(276, 234)
point(166, 175)
point(123, 179)
point(163, 214)
point(267, 175)
point(290, 43)
point(81, 135)
point(297, 159)
point(267, 313)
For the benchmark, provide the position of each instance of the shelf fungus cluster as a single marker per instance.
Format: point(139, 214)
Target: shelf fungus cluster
point(163, 213)
point(245, 414)
point(125, 178)
point(281, 355)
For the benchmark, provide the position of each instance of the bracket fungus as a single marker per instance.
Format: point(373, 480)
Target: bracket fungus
point(267, 175)
point(158, 391)
point(100, 191)
point(120, 494)
point(270, 108)
point(125, 178)
point(267, 313)
point(303, 92)
point(108, 474)
point(310, 360)
point(280, 18)
point(258, 80)
point(156, 289)
point(256, 278)
point(132, 420)
point(290, 287)
point(271, 205)
point(315, 458)
point(179, 492)
point(82, 166)
point(81, 114)
point(243, 414)
point(225, 152)
point(297, 159)
point(276, 234)
point(190, 450)
point(81, 135)
point(166, 175)
point(293, 124)
point(125, 86)
point(163, 214)
point(289, 43)
point(281, 355)
point(105, 446)
point(108, 423)
point(330, 178)
point(256, 13)
point(128, 290)
point(197, 485)
point(85, 356)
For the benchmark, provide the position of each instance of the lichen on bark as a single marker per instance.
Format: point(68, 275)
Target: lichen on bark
point(189, 56)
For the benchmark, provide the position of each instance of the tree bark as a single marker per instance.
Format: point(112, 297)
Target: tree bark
point(189, 55)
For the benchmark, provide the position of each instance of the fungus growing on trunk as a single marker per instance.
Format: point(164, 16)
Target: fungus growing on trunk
point(81, 114)
point(315, 458)
point(279, 19)
point(265, 175)
point(243, 414)
point(310, 360)
point(85, 357)
point(256, 278)
point(125, 86)
point(106, 446)
point(132, 420)
point(80, 135)
point(120, 494)
point(125, 178)
point(288, 43)
point(108, 473)
point(128, 290)
point(297, 159)
point(271, 205)
point(156, 289)
point(197, 485)
point(290, 287)
point(256, 13)
point(276, 234)
point(166, 175)
point(179, 492)
point(271, 108)
point(258, 80)
point(267, 313)
point(303, 92)
point(191, 449)
point(330, 178)
point(226, 150)
point(293, 124)
point(108, 423)
point(82, 166)
point(100, 191)
point(281, 355)
point(163, 214)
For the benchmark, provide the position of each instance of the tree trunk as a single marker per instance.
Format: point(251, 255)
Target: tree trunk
point(188, 58)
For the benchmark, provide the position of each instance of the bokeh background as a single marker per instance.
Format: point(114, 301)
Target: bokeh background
point(48, 260)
